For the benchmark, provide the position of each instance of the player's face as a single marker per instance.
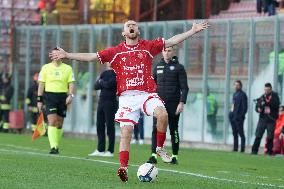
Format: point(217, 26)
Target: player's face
point(168, 53)
point(131, 30)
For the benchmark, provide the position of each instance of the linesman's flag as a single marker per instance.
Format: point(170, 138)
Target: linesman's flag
point(40, 127)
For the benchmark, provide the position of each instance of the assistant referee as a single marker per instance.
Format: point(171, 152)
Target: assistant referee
point(56, 81)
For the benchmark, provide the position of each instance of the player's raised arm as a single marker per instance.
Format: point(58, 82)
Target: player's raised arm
point(60, 54)
point(183, 36)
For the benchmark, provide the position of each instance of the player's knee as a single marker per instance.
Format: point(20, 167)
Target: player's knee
point(52, 122)
point(162, 114)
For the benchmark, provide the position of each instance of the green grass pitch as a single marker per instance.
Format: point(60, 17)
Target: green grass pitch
point(26, 164)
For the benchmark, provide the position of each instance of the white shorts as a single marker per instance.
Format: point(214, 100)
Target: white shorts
point(132, 102)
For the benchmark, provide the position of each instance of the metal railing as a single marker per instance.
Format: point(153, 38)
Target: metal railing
point(229, 50)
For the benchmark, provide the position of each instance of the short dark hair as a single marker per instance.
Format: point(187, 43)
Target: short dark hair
point(268, 85)
point(239, 82)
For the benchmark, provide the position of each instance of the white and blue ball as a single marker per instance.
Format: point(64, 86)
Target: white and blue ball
point(147, 173)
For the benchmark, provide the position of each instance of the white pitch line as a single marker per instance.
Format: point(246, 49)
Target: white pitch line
point(132, 165)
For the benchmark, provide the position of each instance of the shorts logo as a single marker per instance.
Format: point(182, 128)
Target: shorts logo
point(121, 114)
point(124, 110)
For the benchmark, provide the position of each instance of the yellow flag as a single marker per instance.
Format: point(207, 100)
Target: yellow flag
point(40, 127)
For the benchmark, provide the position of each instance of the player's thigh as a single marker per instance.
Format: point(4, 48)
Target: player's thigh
point(129, 110)
point(153, 107)
point(52, 119)
point(61, 105)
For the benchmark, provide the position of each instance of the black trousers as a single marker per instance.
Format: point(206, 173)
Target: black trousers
point(105, 120)
point(173, 125)
point(262, 125)
point(238, 130)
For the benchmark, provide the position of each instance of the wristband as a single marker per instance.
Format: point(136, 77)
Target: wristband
point(39, 99)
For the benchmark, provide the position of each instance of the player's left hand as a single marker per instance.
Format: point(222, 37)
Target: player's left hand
point(179, 108)
point(200, 26)
point(69, 100)
point(57, 55)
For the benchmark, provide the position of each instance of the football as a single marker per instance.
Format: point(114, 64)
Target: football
point(147, 172)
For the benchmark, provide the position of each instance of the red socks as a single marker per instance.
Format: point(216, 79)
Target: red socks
point(124, 157)
point(161, 137)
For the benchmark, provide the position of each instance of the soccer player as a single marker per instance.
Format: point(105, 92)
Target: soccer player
point(132, 60)
point(56, 80)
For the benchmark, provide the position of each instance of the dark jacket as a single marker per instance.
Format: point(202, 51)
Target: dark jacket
point(171, 80)
point(6, 93)
point(240, 106)
point(273, 102)
point(282, 130)
point(107, 84)
point(32, 95)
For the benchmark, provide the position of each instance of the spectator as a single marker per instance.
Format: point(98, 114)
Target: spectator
point(267, 106)
point(107, 106)
point(260, 7)
point(278, 147)
point(212, 109)
point(31, 101)
point(6, 95)
point(280, 66)
point(237, 116)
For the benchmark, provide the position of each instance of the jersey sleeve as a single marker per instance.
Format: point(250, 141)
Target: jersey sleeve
point(71, 77)
point(42, 75)
point(106, 55)
point(156, 46)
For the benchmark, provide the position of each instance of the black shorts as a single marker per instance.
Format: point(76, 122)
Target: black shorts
point(55, 103)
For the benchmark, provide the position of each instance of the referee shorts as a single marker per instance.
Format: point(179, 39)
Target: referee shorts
point(55, 103)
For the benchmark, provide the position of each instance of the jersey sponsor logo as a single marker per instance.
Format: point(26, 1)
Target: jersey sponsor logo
point(172, 68)
point(136, 75)
point(123, 59)
point(52, 109)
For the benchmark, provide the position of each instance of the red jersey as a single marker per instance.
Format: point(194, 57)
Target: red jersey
point(133, 64)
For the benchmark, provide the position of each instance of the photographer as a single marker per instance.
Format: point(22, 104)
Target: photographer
point(267, 107)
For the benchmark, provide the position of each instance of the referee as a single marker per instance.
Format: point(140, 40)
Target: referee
point(56, 81)
point(172, 87)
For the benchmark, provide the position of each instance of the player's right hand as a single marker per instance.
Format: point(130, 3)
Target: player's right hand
point(57, 55)
point(39, 106)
